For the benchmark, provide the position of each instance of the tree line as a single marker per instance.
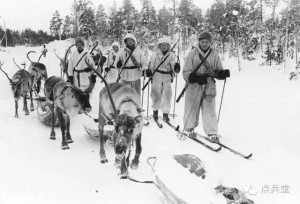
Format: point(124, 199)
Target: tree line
point(28, 37)
point(230, 21)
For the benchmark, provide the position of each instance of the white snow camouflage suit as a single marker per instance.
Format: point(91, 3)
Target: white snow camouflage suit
point(132, 73)
point(161, 91)
point(80, 77)
point(112, 75)
point(195, 91)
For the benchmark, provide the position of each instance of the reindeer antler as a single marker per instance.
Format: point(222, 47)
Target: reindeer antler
point(28, 56)
point(16, 64)
point(54, 50)
point(1, 63)
point(66, 55)
point(24, 64)
point(106, 85)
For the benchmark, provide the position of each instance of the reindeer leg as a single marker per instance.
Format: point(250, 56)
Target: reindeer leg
point(103, 158)
point(16, 109)
point(38, 86)
point(68, 135)
point(62, 122)
point(52, 134)
point(124, 169)
point(31, 101)
point(25, 105)
point(138, 149)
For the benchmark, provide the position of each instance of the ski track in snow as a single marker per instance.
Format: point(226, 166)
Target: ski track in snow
point(260, 115)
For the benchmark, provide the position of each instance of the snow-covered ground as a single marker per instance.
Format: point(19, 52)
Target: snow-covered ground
point(260, 115)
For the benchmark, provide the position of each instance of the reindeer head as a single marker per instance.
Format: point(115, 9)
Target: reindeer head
point(96, 58)
point(16, 87)
point(125, 132)
point(20, 83)
point(43, 71)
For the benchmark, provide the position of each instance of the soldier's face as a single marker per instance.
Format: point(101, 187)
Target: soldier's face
point(130, 42)
point(79, 46)
point(164, 47)
point(204, 44)
point(116, 48)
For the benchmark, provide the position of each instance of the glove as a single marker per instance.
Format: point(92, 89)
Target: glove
point(177, 67)
point(93, 78)
point(107, 69)
point(102, 61)
point(70, 79)
point(119, 64)
point(193, 78)
point(148, 73)
point(202, 79)
point(222, 74)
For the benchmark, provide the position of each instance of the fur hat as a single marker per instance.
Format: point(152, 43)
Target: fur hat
point(79, 40)
point(115, 44)
point(164, 40)
point(130, 35)
point(205, 35)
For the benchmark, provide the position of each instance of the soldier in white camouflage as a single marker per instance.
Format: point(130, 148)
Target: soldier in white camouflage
point(201, 90)
point(161, 92)
point(131, 69)
point(78, 71)
point(110, 69)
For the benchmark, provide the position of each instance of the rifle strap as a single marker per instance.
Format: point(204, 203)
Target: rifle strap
point(129, 57)
point(79, 60)
point(203, 60)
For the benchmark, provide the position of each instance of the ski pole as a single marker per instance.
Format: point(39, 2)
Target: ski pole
point(175, 96)
point(148, 104)
point(176, 75)
point(221, 100)
point(143, 91)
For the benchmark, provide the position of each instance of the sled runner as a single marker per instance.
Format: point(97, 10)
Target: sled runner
point(181, 179)
point(91, 129)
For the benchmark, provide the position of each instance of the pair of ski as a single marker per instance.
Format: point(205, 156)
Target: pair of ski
point(181, 133)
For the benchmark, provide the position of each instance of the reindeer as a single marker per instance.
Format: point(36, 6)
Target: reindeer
point(37, 71)
point(63, 62)
point(21, 84)
point(124, 109)
point(121, 105)
point(66, 100)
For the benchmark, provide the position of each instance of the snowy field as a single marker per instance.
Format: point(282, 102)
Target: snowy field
point(260, 115)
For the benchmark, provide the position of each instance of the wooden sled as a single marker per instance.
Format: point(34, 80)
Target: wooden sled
point(92, 131)
point(180, 179)
point(170, 196)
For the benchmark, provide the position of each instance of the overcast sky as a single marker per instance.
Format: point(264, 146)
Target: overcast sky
point(36, 14)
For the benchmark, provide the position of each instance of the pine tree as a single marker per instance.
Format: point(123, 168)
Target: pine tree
point(67, 27)
point(87, 23)
point(78, 9)
point(130, 16)
point(148, 15)
point(185, 12)
point(186, 20)
point(55, 24)
point(101, 23)
point(115, 23)
point(164, 18)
